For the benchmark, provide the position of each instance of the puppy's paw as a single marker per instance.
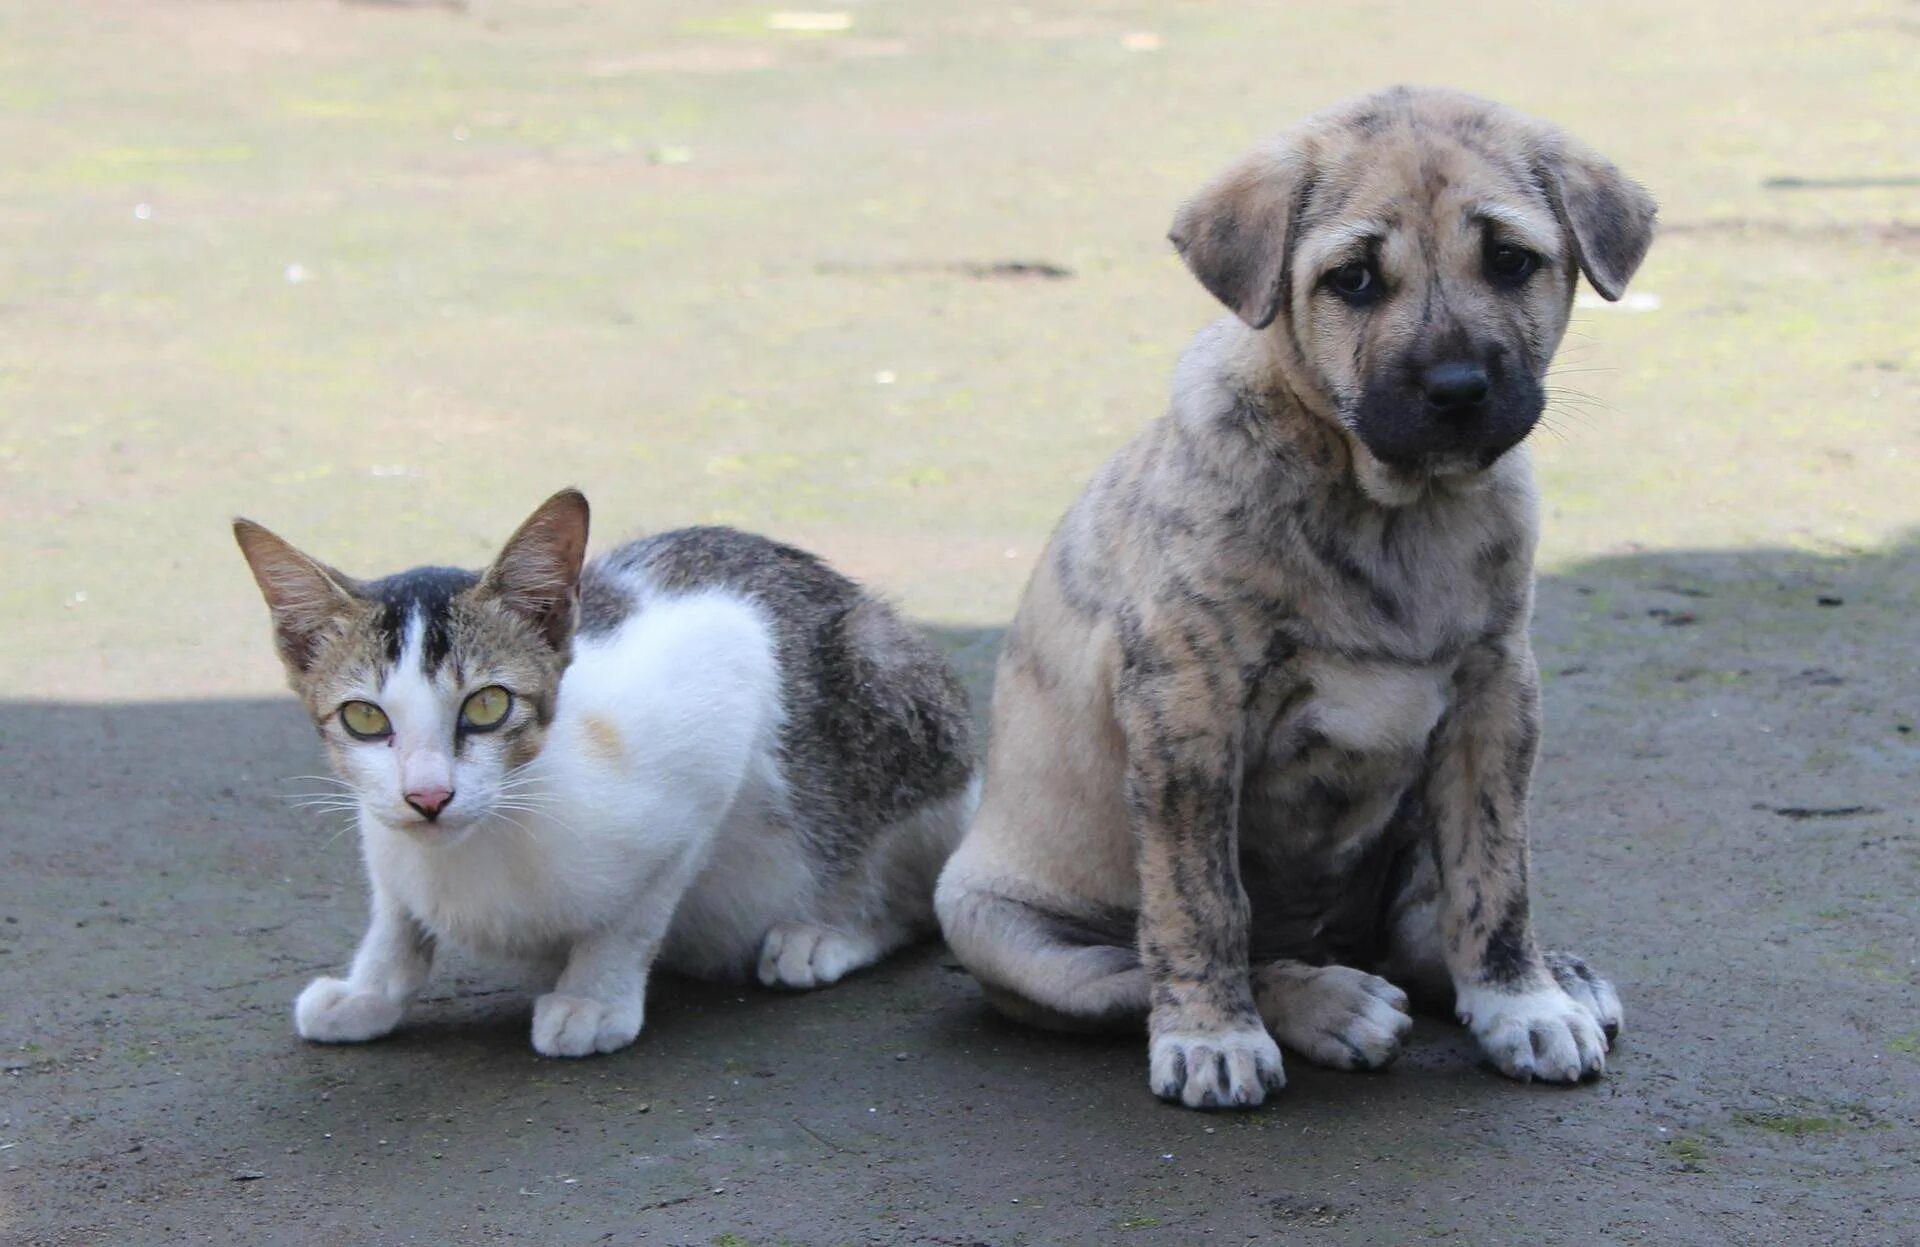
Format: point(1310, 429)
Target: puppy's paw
point(578, 1026)
point(800, 955)
point(1595, 994)
point(1333, 1015)
point(1233, 1068)
point(1543, 1033)
point(331, 1011)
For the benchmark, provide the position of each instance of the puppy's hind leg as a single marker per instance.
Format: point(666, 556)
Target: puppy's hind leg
point(1046, 967)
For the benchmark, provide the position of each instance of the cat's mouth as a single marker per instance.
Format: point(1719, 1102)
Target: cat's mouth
point(438, 831)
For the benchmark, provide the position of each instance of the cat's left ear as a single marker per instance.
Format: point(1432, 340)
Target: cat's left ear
point(538, 573)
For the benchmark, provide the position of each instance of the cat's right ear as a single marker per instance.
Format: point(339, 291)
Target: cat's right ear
point(308, 599)
point(538, 572)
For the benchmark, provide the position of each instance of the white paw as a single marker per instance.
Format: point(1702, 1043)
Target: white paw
point(1226, 1069)
point(1334, 1015)
point(1577, 979)
point(1544, 1034)
point(798, 955)
point(577, 1026)
point(331, 1011)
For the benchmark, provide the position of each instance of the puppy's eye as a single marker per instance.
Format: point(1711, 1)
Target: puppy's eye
point(1510, 265)
point(486, 709)
point(1355, 281)
point(365, 721)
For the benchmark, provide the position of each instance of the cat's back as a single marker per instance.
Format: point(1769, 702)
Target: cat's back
point(792, 584)
point(874, 722)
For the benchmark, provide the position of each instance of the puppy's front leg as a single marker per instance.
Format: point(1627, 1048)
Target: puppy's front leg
point(1207, 1047)
point(1481, 768)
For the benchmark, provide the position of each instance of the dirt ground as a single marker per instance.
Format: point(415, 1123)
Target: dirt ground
point(383, 275)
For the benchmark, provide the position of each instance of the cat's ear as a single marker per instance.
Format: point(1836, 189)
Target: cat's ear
point(308, 599)
point(538, 573)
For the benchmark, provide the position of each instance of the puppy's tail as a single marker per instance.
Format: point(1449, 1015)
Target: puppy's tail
point(1042, 966)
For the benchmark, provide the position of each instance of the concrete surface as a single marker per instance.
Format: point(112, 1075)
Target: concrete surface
point(384, 275)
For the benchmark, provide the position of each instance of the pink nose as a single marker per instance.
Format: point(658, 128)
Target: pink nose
point(430, 801)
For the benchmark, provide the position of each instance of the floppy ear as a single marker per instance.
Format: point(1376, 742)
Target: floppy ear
point(308, 599)
point(1237, 234)
point(538, 573)
point(1608, 215)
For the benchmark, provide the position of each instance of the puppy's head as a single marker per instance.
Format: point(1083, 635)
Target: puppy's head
point(1414, 255)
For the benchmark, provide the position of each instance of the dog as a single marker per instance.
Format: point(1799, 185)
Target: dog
point(1265, 722)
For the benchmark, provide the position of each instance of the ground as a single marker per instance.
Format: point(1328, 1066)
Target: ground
point(383, 275)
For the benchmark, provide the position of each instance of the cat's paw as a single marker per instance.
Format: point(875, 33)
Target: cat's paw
point(1544, 1033)
point(799, 955)
point(1233, 1068)
point(579, 1026)
point(331, 1011)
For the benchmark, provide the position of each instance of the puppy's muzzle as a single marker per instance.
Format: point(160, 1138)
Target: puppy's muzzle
point(1455, 391)
point(1452, 408)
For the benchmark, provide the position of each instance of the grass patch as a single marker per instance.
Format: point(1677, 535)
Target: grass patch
point(1686, 1149)
point(1794, 1125)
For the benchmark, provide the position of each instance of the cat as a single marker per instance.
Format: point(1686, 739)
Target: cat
point(704, 748)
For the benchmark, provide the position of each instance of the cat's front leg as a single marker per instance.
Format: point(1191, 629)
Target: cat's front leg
point(599, 1002)
point(389, 969)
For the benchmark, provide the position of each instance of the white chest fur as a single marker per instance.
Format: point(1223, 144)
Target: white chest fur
point(1375, 708)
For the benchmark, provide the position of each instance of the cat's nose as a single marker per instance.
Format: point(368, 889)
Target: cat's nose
point(430, 801)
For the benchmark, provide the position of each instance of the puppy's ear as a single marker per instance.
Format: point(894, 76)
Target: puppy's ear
point(308, 599)
point(1607, 214)
point(538, 572)
point(1237, 234)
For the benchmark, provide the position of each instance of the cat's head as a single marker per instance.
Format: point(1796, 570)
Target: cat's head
point(432, 686)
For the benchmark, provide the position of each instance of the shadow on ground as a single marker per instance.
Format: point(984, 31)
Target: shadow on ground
point(1724, 823)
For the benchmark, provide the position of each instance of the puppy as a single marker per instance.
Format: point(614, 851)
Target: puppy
point(1266, 719)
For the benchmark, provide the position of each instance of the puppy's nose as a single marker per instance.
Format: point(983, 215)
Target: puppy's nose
point(1455, 389)
point(430, 801)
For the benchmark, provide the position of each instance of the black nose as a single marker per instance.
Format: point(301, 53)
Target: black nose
point(1455, 389)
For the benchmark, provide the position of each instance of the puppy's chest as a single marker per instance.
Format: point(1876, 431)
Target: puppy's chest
point(1332, 744)
point(1357, 707)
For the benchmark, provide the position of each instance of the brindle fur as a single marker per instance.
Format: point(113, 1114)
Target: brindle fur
point(1268, 709)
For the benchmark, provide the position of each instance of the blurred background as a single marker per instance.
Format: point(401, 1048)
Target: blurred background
point(889, 278)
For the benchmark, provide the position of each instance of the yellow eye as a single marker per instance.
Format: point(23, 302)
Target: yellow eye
point(486, 709)
point(365, 720)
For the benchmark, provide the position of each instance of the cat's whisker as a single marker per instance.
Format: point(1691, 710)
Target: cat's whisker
point(323, 779)
point(524, 785)
point(325, 805)
point(543, 815)
point(530, 799)
point(516, 824)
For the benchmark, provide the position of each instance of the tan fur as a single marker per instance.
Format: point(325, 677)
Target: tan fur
point(603, 739)
point(1253, 644)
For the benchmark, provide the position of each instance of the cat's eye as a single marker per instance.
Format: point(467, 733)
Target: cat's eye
point(365, 721)
point(486, 709)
